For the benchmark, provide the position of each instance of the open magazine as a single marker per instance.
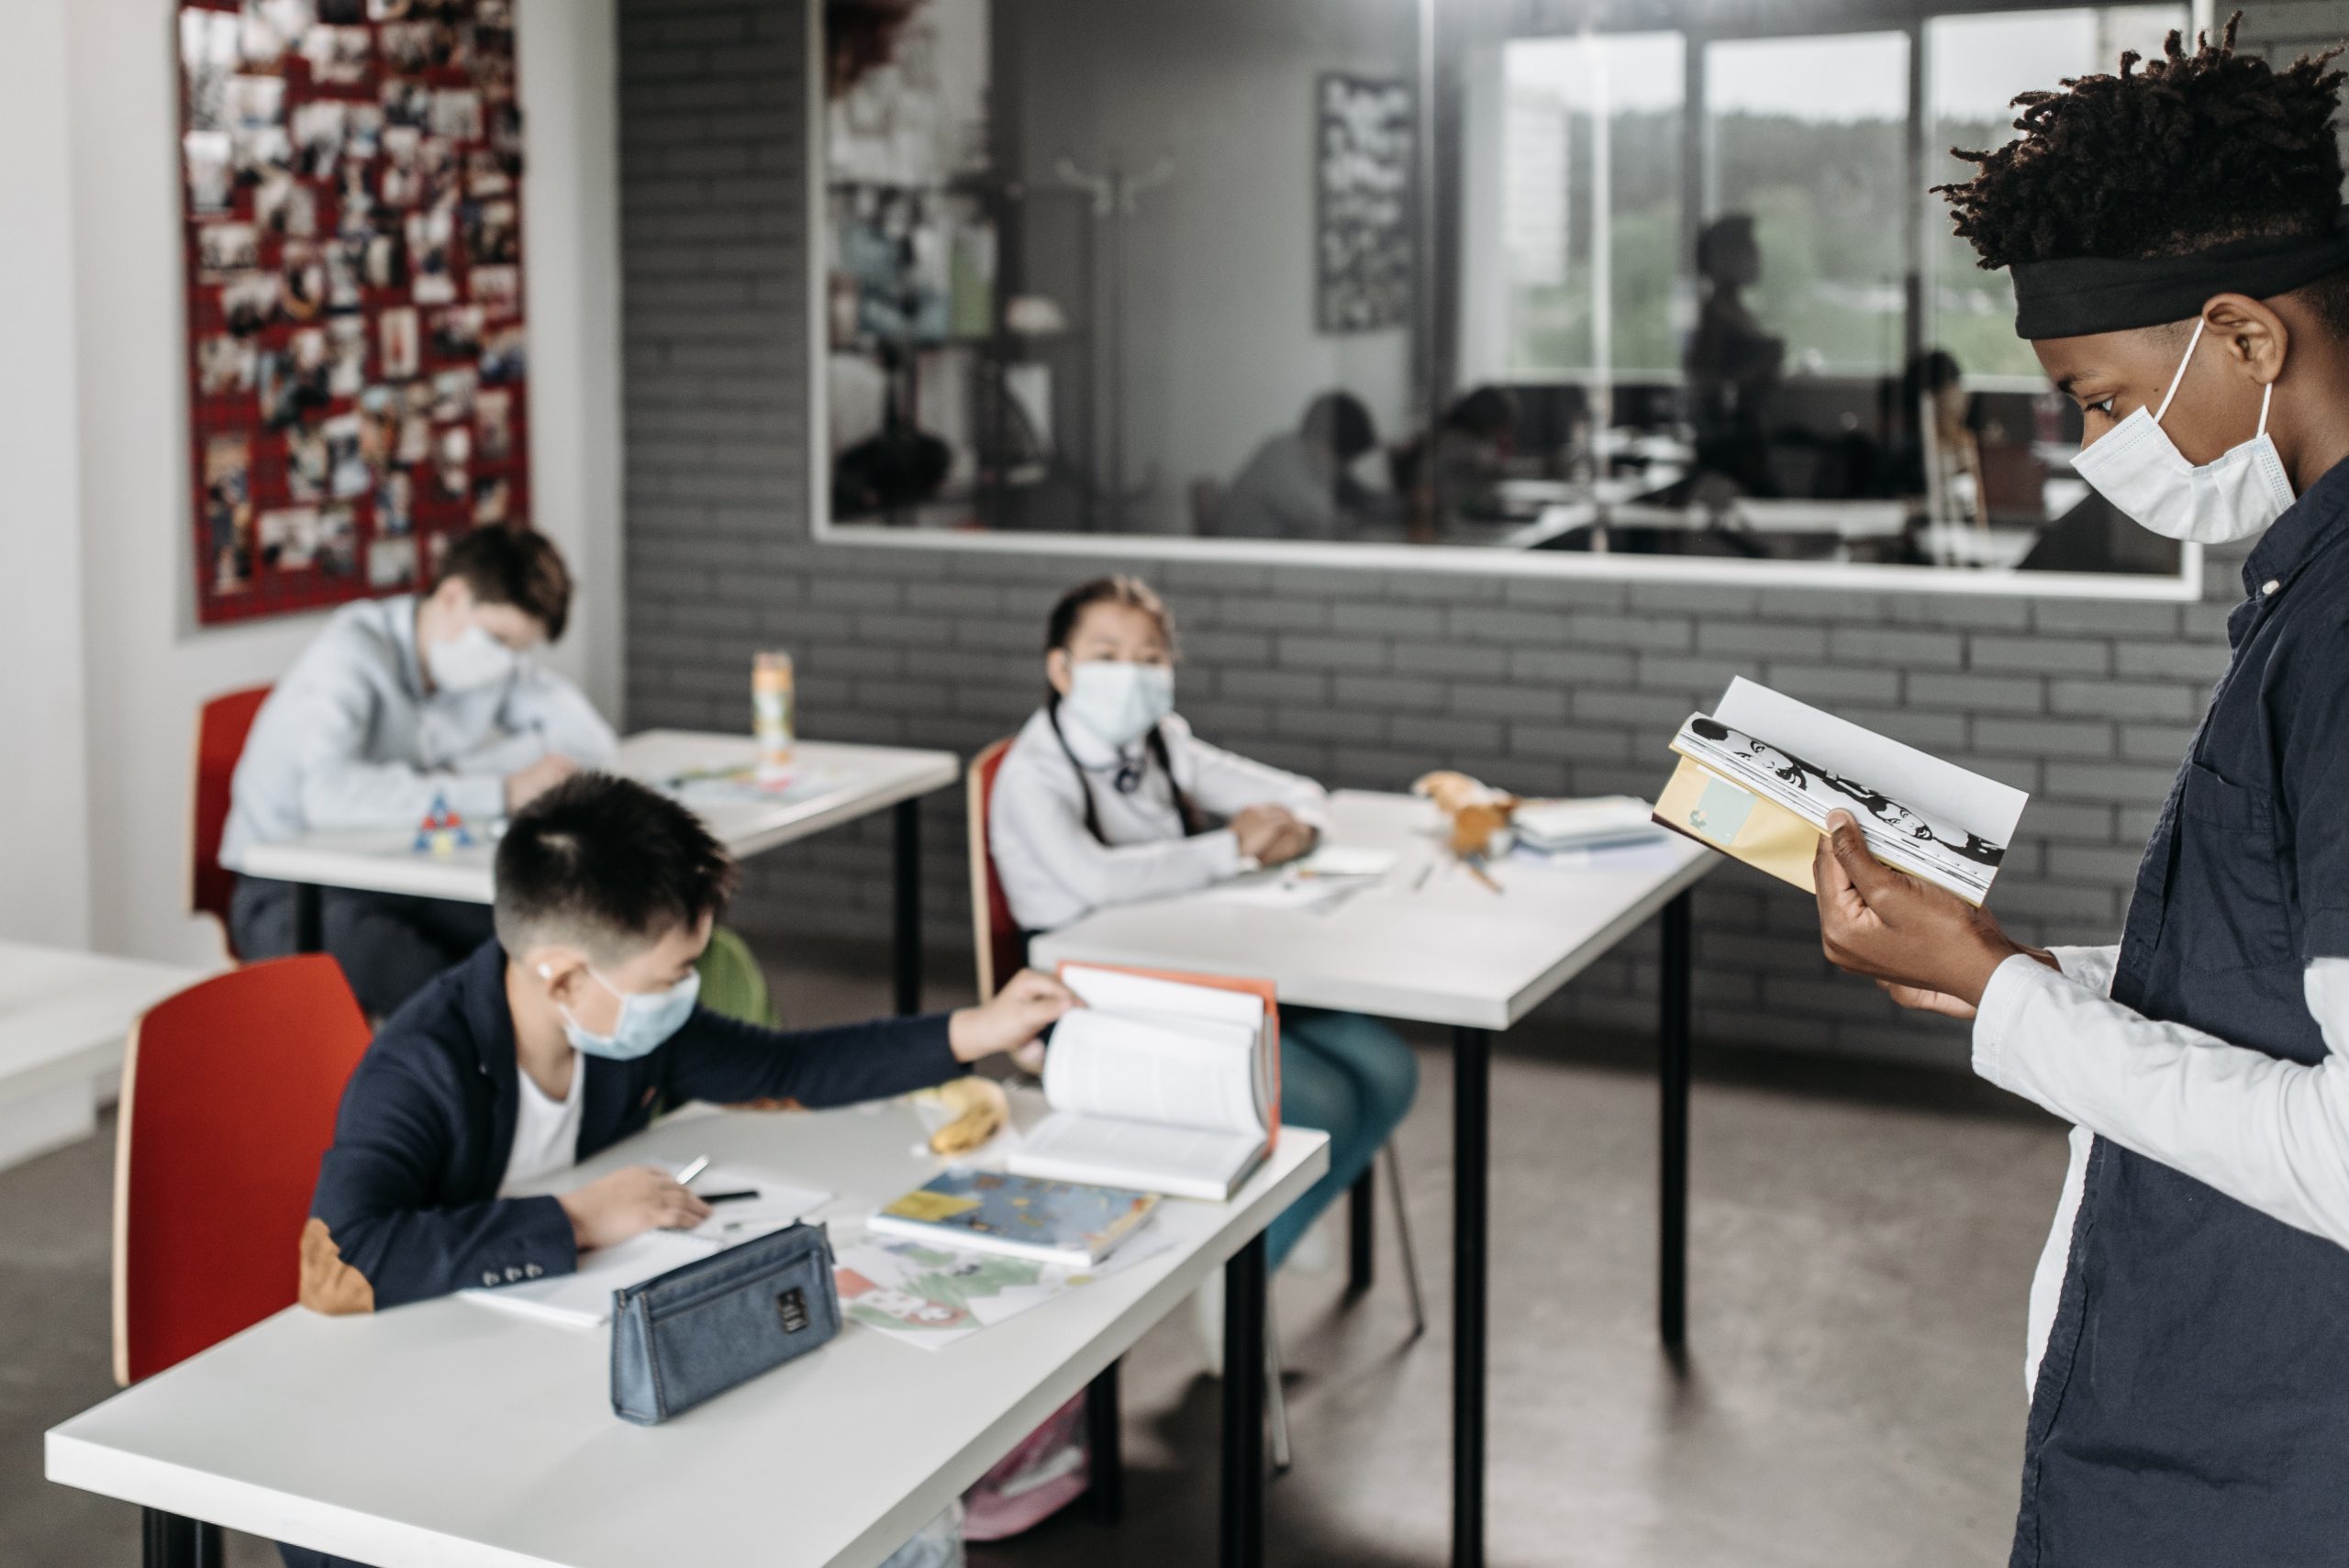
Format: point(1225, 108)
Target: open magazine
point(1760, 775)
point(1163, 1084)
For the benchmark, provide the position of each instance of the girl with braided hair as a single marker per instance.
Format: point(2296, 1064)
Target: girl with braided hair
point(2175, 236)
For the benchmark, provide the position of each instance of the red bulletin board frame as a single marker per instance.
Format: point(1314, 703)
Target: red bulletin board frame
point(351, 183)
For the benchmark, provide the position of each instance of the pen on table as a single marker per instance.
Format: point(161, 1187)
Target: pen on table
point(735, 1196)
point(1481, 874)
point(1426, 868)
point(685, 1177)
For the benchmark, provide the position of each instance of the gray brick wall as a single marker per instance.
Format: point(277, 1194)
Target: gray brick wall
point(1358, 677)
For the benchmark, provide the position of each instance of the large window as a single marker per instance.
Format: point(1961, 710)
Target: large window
point(1807, 134)
point(1591, 203)
point(1419, 274)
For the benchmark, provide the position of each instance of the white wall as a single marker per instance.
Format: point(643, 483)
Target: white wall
point(44, 882)
point(89, 90)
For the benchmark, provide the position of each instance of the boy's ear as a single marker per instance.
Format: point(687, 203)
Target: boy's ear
point(2253, 335)
point(559, 970)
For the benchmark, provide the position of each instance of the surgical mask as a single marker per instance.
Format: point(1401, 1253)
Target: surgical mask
point(471, 660)
point(647, 1019)
point(1121, 703)
point(2135, 466)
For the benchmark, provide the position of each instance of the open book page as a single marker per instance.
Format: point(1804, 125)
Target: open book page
point(1113, 991)
point(1184, 1161)
point(1928, 845)
point(1182, 1072)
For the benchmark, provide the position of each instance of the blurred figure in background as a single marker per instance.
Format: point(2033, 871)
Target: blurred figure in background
point(1732, 364)
point(1302, 484)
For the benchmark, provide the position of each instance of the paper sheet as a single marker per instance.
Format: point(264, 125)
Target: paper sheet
point(931, 1296)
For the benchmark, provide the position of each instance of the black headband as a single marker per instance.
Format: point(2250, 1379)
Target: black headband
point(2072, 296)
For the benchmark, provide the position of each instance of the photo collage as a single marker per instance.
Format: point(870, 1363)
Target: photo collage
point(352, 175)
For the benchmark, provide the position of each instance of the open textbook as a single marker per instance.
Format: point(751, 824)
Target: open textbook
point(1759, 775)
point(1165, 1084)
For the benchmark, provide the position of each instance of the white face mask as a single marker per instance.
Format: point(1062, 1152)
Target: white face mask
point(470, 659)
point(1121, 703)
point(2135, 466)
point(646, 1020)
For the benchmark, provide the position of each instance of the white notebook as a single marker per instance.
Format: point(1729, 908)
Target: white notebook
point(1157, 1085)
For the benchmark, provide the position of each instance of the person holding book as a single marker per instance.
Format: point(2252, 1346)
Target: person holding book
point(2180, 265)
point(1106, 798)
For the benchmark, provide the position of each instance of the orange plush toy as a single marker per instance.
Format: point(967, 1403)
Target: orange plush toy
point(1480, 814)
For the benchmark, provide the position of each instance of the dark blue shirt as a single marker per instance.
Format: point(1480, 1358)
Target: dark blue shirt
point(2193, 1406)
point(406, 1204)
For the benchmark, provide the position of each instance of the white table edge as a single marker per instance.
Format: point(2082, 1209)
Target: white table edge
point(71, 1459)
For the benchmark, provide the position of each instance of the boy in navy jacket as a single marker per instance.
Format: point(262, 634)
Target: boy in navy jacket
point(558, 1039)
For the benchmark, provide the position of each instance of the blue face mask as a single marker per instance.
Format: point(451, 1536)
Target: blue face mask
point(647, 1019)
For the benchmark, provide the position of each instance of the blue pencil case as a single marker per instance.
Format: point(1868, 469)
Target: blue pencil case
point(691, 1334)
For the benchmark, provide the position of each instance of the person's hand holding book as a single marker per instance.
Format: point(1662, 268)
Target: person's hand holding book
point(1024, 1008)
point(1929, 949)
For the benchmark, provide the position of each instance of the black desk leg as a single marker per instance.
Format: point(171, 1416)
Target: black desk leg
point(1362, 1230)
point(1472, 1071)
point(1672, 1080)
point(168, 1540)
point(906, 937)
point(1104, 1455)
point(309, 922)
point(1243, 1408)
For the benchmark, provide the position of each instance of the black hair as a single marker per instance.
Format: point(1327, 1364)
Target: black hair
point(607, 866)
point(509, 565)
point(1068, 610)
point(1488, 411)
point(1341, 422)
point(2197, 149)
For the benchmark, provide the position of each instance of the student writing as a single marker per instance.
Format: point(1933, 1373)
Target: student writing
point(396, 703)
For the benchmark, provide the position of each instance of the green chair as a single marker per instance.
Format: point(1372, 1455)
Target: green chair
point(732, 981)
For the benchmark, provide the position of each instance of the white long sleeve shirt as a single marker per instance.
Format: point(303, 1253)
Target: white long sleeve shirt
point(2270, 1133)
point(1052, 870)
point(349, 738)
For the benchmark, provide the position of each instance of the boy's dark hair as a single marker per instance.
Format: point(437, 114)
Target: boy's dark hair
point(607, 866)
point(514, 566)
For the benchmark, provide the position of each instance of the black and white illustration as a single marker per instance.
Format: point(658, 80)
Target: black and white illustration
point(1923, 845)
point(1363, 134)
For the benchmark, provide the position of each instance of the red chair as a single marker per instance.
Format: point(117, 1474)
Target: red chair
point(995, 935)
point(229, 1090)
point(221, 726)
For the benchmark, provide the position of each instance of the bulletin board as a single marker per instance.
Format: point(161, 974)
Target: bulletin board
point(1364, 131)
point(351, 180)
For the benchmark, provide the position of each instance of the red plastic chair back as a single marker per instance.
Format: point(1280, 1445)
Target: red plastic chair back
point(221, 726)
point(994, 934)
point(229, 1090)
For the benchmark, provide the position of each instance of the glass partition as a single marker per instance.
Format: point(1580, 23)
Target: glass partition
point(1478, 282)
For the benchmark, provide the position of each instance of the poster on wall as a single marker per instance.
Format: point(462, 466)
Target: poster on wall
point(1362, 135)
point(351, 177)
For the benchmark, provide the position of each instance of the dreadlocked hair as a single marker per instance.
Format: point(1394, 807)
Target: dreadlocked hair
point(2194, 150)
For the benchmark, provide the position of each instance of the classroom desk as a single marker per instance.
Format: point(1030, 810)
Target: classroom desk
point(64, 1015)
point(866, 779)
point(1451, 951)
point(454, 1434)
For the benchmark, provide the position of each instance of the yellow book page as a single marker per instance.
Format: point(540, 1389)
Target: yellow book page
point(1743, 825)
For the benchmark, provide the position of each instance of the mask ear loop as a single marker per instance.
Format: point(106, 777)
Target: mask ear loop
point(2180, 376)
point(2267, 395)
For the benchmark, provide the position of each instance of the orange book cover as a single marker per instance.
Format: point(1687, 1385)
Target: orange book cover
point(1260, 988)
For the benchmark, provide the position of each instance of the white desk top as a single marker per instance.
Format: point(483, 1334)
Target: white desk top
point(64, 1014)
point(1453, 951)
point(452, 1434)
point(869, 778)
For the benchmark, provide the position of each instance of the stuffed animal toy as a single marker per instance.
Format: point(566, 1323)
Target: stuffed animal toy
point(1479, 813)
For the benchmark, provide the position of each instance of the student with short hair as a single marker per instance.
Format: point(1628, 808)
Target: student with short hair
point(2180, 261)
point(558, 1037)
point(1106, 798)
point(396, 704)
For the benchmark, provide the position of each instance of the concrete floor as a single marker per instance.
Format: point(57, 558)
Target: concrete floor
point(1861, 1241)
